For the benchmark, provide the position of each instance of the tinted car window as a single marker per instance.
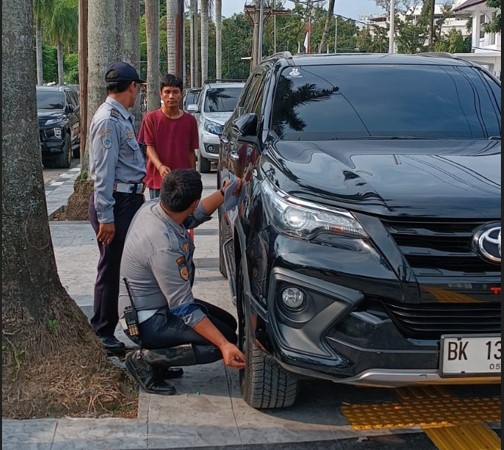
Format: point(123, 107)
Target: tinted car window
point(50, 100)
point(221, 99)
point(338, 102)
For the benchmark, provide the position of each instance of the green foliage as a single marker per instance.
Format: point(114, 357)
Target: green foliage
point(49, 63)
point(454, 42)
point(236, 44)
point(53, 323)
point(494, 26)
point(71, 66)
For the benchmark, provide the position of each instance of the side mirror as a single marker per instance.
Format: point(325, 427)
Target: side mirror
point(70, 108)
point(192, 108)
point(246, 125)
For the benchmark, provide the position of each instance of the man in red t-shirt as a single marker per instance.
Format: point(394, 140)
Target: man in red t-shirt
point(170, 135)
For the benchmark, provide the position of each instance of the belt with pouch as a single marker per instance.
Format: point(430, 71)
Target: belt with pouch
point(129, 188)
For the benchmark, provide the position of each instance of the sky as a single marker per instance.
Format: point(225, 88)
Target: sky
point(353, 9)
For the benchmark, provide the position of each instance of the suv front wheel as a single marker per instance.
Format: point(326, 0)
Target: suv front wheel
point(263, 383)
point(203, 163)
point(64, 159)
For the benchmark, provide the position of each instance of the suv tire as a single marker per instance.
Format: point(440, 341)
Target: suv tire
point(203, 164)
point(263, 383)
point(64, 159)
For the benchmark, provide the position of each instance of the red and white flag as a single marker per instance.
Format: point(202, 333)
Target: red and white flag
point(306, 42)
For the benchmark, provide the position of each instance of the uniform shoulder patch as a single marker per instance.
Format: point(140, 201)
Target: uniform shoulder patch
point(183, 271)
point(106, 141)
point(114, 113)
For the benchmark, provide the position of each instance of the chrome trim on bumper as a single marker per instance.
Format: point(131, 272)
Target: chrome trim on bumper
point(395, 378)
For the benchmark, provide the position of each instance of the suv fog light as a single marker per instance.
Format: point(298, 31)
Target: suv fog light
point(57, 133)
point(210, 148)
point(293, 298)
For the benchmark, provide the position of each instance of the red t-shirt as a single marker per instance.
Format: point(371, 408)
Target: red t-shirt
point(173, 139)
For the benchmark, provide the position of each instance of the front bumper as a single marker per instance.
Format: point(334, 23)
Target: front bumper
point(209, 145)
point(343, 334)
point(50, 144)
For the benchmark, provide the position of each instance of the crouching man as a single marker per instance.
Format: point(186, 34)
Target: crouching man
point(174, 328)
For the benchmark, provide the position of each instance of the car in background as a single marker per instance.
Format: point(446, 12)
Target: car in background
point(216, 103)
point(190, 98)
point(59, 125)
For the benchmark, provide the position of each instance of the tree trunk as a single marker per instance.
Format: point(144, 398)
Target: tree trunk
point(51, 359)
point(195, 78)
point(131, 47)
point(218, 39)
point(204, 40)
point(171, 23)
point(83, 82)
point(325, 33)
point(152, 34)
point(104, 48)
point(38, 46)
point(60, 58)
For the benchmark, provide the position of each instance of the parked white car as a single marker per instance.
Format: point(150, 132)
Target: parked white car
point(215, 105)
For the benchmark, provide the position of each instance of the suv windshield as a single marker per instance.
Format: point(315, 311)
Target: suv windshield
point(221, 99)
point(383, 101)
point(50, 100)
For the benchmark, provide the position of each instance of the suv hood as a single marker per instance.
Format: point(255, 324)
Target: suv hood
point(49, 114)
point(428, 178)
point(219, 117)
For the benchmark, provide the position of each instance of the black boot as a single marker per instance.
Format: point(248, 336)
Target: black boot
point(181, 355)
point(146, 376)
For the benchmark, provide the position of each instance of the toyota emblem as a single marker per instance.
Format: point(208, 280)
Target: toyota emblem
point(488, 243)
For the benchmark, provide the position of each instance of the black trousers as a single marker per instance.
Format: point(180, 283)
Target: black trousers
point(167, 330)
point(106, 291)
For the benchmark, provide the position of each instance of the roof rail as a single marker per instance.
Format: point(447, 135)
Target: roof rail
point(284, 54)
point(438, 54)
point(224, 80)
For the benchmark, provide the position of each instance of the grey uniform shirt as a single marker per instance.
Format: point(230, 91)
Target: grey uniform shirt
point(157, 262)
point(114, 155)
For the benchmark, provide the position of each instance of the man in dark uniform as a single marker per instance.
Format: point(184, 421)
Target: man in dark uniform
point(117, 167)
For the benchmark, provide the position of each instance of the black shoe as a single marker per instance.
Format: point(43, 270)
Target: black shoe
point(167, 373)
point(113, 346)
point(146, 376)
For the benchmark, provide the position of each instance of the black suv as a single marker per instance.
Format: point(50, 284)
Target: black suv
point(58, 118)
point(366, 244)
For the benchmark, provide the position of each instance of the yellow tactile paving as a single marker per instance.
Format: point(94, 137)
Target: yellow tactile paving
point(474, 436)
point(452, 423)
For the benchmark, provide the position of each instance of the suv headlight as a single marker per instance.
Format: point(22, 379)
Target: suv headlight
point(53, 121)
point(212, 127)
point(303, 219)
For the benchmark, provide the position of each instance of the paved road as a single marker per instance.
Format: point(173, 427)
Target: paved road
point(54, 174)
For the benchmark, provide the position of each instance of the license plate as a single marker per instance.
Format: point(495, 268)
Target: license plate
point(470, 355)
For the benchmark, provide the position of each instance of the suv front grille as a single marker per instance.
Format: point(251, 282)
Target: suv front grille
point(431, 320)
point(439, 248)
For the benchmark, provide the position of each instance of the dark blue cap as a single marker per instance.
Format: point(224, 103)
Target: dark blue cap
point(122, 71)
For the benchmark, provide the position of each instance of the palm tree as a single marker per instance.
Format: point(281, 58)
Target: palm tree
point(195, 81)
point(204, 40)
point(42, 327)
point(152, 35)
point(171, 26)
point(131, 45)
point(41, 9)
point(218, 39)
point(62, 30)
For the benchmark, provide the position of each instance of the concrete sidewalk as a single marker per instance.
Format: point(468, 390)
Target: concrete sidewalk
point(207, 411)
